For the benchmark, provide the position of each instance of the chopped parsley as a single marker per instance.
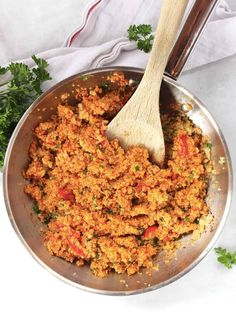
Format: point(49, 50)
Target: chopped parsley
point(209, 145)
point(142, 230)
point(47, 218)
point(85, 171)
point(142, 35)
point(105, 86)
point(227, 258)
point(109, 211)
point(137, 168)
point(155, 241)
point(41, 186)
point(85, 77)
point(191, 176)
point(55, 215)
point(36, 209)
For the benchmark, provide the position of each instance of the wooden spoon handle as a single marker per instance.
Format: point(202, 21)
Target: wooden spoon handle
point(171, 15)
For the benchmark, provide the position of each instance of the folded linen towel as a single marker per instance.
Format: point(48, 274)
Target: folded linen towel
point(101, 38)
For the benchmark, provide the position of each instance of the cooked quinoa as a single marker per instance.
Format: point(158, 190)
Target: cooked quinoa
point(107, 207)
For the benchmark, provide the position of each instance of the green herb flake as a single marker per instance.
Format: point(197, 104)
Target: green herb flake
point(191, 176)
point(41, 186)
point(155, 241)
point(184, 209)
point(140, 240)
point(36, 209)
point(142, 230)
point(105, 86)
point(85, 77)
point(209, 145)
point(137, 168)
point(57, 146)
point(101, 166)
point(85, 171)
point(95, 205)
point(47, 218)
point(227, 258)
point(55, 215)
point(186, 219)
point(97, 255)
point(110, 212)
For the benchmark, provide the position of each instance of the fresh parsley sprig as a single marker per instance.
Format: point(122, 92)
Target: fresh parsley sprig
point(16, 95)
point(227, 258)
point(142, 34)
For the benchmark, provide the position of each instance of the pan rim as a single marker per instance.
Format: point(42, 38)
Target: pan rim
point(119, 292)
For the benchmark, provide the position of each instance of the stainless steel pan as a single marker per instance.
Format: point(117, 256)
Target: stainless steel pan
point(19, 206)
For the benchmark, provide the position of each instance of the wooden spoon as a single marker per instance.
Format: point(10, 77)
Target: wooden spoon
point(138, 122)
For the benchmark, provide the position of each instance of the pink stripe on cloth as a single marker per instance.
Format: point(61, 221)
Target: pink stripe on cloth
point(75, 34)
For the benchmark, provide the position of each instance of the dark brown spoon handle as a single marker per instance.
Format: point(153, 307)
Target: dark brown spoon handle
point(189, 35)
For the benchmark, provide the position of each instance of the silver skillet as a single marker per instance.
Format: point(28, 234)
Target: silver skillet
point(19, 206)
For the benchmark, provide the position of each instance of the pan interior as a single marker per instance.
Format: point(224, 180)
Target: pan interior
point(27, 226)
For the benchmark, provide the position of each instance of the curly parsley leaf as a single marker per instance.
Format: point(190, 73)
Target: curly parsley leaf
point(142, 34)
point(227, 258)
point(36, 209)
point(16, 95)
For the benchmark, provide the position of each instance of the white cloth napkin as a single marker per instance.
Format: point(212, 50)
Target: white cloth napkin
point(101, 38)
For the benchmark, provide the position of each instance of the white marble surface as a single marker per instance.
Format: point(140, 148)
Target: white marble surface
point(27, 288)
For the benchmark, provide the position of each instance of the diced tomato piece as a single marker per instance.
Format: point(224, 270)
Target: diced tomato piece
point(170, 236)
point(74, 127)
point(58, 224)
point(103, 132)
point(139, 187)
point(66, 194)
point(75, 233)
point(183, 140)
point(50, 142)
point(174, 176)
point(76, 249)
point(67, 145)
point(150, 232)
point(104, 143)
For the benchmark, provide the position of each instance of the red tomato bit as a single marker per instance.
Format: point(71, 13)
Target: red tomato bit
point(76, 249)
point(150, 232)
point(183, 140)
point(66, 194)
point(174, 176)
